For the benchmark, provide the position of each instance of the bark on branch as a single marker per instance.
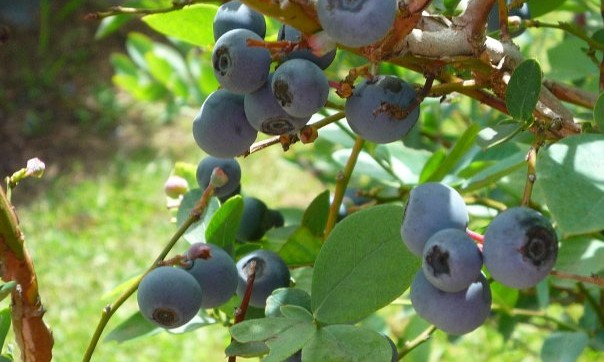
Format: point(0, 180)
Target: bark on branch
point(31, 333)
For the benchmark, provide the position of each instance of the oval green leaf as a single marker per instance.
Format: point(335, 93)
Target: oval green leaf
point(523, 90)
point(362, 266)
point(345, 343)
point(222, 228)
point(570, 174)
point(189, 24)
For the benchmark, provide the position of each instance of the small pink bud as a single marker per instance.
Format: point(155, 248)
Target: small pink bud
point(175, 186)
point(320, 43)
point(35, 167)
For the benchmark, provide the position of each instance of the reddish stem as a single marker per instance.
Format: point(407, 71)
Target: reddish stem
point(245, 302)
point(479, 238)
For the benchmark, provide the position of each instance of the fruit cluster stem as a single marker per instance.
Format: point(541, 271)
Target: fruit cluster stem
point(245, 301)
point(341, 183)
point(109, 310)
point(418, 341)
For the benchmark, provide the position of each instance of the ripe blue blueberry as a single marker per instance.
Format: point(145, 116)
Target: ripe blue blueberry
point(229, 166)
point(265, 114)
point(292, 34)
point(271, 273)
point(451, 260)
point(220, 128)
point(235, 15)
point(431, 207)
point(277, 219)
point(238, 67)
point(520, 247)
point(356, 23)
point(255, 220)
point(378, 110)
point(216, 275)
point(454, 313)
point(169, 297)
point(300, 87)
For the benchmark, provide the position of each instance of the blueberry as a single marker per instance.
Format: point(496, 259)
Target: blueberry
point(255, 220)
point(277, 219)
point(220, 128)
point(238, 67)
point(265, 114)
point(286, 296)
point(300, 87)
point(235, 15)
point(224, 198)
point(356, 23)
point(289, 33)
point(169, 297)
point(493, 20)
point(454, 313)
point(520, 247)
point(271, 273)
point(375, 110)
point(451, 260)
point(231, 168)
point(216, 275)
point(431, 207)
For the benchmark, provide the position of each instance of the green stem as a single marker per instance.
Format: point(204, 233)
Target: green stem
point(570, 28)
point(122, 10)
point(341, 183)
point(109, 310)
point(418, 341)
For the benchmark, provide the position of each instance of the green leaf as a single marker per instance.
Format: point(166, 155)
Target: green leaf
point(112, 24)
point(434, 162)
point(563, 346)
point(284, 297)
point(301, 248)
point(365, 165)
point(493, 136)
point(599, 112)
point(345, 343)
point(188, 24)
point(6, 289)
point(363, 265)
point(505, 297)
point(134, 327)
point(406, 163)
point(570, 176)
point(122, 64)
point(523, 90)
point(296, 312)
point(461, 148)
point(223, 226)
point(496, 172)
point(315, 216)
point(289, 341)
point(196, 232)
point(247, 350)
point(568, 61)
point(137, 46)
point(5, 321)
point(187, 171)
point(261, 329)
point(540, 7)
point(581, 255)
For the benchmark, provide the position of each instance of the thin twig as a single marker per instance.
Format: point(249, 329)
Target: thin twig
point(531, 174)
point(245, 301)
point(593, 279)
point(418, 341)
point(122, 10)
point(341, 183)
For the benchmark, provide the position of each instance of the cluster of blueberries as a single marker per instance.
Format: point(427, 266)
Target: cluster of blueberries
point(208, 277)
point(519, 249)
point(253, 99)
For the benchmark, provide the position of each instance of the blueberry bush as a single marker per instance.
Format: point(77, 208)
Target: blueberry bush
point(459, 143)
